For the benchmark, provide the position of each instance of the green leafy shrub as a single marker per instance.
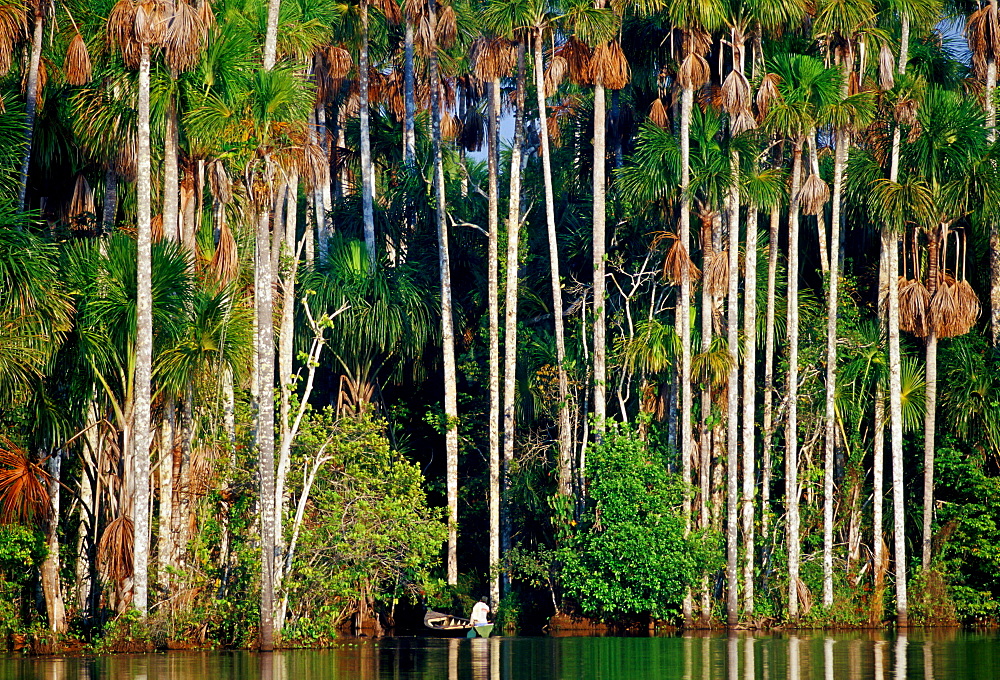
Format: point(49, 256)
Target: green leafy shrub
point(628, 555)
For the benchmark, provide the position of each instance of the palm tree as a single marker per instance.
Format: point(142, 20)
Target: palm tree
point(693, 19)
point(37, 10)
point(838, 25)
point(806, 91)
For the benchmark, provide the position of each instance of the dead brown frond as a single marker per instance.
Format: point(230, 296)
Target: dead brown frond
point(338, 63)
point(120, 29)
point(886, 67)
point(694, 72)
point(13, 20)
point(447, 27)
point(555, 74)
point(156, 228)
point(451, 127)
point(493, 58)
point(983, 33)
point(658, 114)
point(609, 67)
point(82, 203)
point(768, 92)
point(853, 84)
point(77, 65)
point(914, 307)
point(735, 93)
point(906, 112)
point(23, 497)
point(945, 312)
point(219, 183)
point(225, 263)
point(742, 122)
point(114, 550)
point(182, 36)
point(676, 261)
point(577, 56)
point(716, 279)
point(813, 195)
point(697, 41)
point(389, 9)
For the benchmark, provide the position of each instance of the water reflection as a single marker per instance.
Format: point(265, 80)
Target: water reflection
point(916, 655)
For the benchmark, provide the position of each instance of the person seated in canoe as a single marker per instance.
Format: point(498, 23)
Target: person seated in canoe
point(480, 611)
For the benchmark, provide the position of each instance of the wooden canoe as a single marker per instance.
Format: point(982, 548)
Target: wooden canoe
point(446, 625)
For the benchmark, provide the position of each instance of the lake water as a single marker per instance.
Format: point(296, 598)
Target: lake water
point(935, 654)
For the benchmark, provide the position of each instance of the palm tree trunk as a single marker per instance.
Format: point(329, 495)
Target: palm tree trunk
point(409, 97)
point(49, 570)
point(791, 432)
point(599, 241)
point(683, 321)
point(749, 403)
point(565, 433)
point(31, 104)
point(896, 430)
point(705, 432)
point(110, 201)
point(271, 34)
point(840, 159)
point(510, 306)
point(824, 257)
point(878, 464)
point(733, 400)
point(991, 134)
point(930, 412)
point(143, 343)
point(165, 536)
point(171, 175)
point(447, 321)
point(493, 293)
point(367, 174)
point(263, 291)
point(768, 421)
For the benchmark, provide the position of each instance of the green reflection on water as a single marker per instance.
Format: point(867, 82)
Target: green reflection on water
point(923, 655)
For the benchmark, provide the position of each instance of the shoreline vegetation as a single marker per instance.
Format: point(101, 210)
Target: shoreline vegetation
point(296, 342)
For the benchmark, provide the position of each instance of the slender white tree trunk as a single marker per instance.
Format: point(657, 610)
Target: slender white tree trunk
point(791, 432)
point(510, 303)
point(840, 158)
point(447, 321)
point(271, 34)
point(769, 319)
point(749, 404)
point(409, 98)
point(31, 103)
point(367, 173)
point(49, 571)
point(493, 293)
point(733, 401)
point(599, 240)
point(930, 413)
point(683, 321)
point(143, 344)
point(165, 536)
point(171, 175)
point(991, 134)
point(565, 432)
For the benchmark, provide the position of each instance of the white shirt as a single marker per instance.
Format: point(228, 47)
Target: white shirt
point(479, 613)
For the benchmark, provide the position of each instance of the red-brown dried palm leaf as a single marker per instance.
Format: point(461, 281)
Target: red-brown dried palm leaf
point(23, 495)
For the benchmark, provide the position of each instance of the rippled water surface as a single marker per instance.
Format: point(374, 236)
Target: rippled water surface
point(938, 655)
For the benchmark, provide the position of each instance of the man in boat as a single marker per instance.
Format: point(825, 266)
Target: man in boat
point(480, 611)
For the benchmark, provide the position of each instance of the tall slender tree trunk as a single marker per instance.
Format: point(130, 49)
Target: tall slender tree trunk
point(930, 413)
point(110, 201)
point(171, 175)
point(991, 134)
point(565, 431)
point(263, 291)
point(840, 158)
point(31, 104)
point(271, 34)
point(165, 536)
point(510, 303)
point(367, 173)
point(733, 400)
point(409, 97)
point(447, 321)
point(493, 293)
point(705, 428)
point(143, 344)
point(683, 321)
point(878, 463)
point(599, 242)
point(791, 432)
point(749, 404)
point(768, 416)
point(51, 582)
